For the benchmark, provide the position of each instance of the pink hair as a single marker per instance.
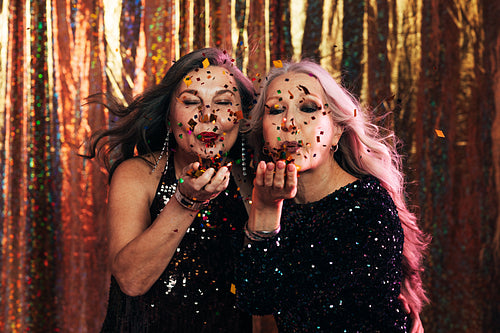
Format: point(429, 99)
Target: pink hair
point(363, 150)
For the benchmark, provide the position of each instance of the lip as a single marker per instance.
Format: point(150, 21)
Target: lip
point(208, 137)
point(291, 146)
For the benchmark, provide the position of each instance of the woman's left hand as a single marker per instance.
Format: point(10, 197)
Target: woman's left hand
point(205, 187)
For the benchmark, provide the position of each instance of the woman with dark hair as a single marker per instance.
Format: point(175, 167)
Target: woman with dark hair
point(174, 211)
point(332, 244)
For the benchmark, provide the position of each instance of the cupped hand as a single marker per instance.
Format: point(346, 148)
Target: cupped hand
point(274, 182)
point(205, 187)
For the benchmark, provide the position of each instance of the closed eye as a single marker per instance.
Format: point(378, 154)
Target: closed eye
point(275, 109)
point(309, 107)
point(190, 101)
point(224, 102)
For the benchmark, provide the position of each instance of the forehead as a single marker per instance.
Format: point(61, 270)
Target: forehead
point(290, 81)
point(209, 77)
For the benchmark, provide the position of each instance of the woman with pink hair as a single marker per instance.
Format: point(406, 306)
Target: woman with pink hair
point(332, 245)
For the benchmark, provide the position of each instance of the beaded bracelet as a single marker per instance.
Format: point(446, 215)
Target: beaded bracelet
point(188, 202)
point(260, 235)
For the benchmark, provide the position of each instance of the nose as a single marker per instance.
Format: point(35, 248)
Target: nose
point(288, 125)
point(206, 114)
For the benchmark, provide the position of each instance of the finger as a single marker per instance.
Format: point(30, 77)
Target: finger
point(206, 177)
point(190, 169)
point(259, 174)
point(269, 176)
point(279, 175)
point(291, 179)
point(224, 183)
point(219, 179)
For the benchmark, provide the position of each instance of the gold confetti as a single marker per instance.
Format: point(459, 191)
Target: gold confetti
point(206, 63)
point(277, 63)
point(187, 81)
point(233, 288)
point(439, 133)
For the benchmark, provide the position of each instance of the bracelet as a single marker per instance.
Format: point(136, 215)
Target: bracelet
point(188, 202)
point(260, 235)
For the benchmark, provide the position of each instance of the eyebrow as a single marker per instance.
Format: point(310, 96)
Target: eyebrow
point(223, 91)
point(195, 92)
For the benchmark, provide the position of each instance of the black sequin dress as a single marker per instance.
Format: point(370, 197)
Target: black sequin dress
point(195, 293)
point(334, 267)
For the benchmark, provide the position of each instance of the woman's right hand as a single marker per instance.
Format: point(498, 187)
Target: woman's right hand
point(272, 184)
point(205, 187)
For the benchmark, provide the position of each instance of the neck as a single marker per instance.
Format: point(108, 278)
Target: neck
point(181, 161)
point(313, 185)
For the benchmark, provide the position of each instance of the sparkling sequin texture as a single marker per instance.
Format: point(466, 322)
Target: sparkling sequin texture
point(194, 293)
point(335, 266)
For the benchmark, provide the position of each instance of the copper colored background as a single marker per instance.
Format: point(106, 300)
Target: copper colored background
point(434, 63)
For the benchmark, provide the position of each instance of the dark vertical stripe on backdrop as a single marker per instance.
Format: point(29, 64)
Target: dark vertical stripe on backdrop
point(352, 52)
point(313, 30)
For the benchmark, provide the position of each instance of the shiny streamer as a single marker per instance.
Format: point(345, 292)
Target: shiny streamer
point(426, 61)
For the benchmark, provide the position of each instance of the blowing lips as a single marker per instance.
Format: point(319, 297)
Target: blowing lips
point(291, 146)
point(208, 137)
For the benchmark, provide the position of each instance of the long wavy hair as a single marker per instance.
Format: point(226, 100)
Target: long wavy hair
point(364, 149)
point(142, 126)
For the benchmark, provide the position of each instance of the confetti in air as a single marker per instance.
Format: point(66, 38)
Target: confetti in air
point(206, 63)
point(277, 63)
point(440, 133)
point(187, 81)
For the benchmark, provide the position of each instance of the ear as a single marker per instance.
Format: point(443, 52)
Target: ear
point(337, 133)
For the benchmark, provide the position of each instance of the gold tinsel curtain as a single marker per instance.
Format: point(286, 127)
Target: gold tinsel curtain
point(432, 65)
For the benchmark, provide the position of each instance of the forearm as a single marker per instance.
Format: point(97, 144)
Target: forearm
point(139, 264)
point(264, 216)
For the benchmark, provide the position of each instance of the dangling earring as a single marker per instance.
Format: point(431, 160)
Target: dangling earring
point(164, 151)
point(243, 157)
point(334, 148)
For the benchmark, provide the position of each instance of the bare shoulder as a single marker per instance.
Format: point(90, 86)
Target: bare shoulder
point(135, 175)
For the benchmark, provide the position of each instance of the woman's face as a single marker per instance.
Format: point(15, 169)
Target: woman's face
point(205, 112)
point(297, 121)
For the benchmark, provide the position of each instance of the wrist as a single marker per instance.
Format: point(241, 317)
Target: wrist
point(262, 234)
point(188, 202)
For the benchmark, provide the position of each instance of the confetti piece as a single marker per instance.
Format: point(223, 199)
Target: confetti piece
point(354, 112)
point(440, 133)
point(187, 81)
point(181, 180)
point(277, 63)
point(192, 123)
point(291, 95)
point(239, 115)
point(206, 63)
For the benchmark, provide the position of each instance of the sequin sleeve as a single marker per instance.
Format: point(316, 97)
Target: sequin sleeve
point(257, 274)
point(370, 297)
